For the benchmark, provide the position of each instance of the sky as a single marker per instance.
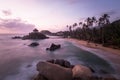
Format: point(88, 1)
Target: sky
point(22, 16)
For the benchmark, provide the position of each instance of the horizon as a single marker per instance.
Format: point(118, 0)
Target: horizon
point(22, 16)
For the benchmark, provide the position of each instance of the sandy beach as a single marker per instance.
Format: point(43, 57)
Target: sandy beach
point(97, 46)
point(109, 54)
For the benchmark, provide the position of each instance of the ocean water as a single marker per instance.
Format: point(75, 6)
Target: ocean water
point(18, 60)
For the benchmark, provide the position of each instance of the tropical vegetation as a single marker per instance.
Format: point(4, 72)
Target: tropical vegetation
point(95, 30)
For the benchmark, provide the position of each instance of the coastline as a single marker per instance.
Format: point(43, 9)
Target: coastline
point(94, 45)
point(109, 54)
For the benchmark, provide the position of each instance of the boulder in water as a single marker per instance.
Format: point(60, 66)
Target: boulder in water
point(34, 44)
point(54, 71)
point(82, 72)
point(16, 37)
point(54, 47)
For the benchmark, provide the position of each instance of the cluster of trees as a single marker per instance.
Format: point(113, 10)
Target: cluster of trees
point(96, 30)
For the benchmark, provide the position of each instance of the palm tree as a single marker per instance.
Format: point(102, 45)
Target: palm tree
point(73, 31)
point(94, 20)
point(80, 24)
point(106, 18)
point(89, 21)
point(74, 25)
point(103, 20)
point(84, 31)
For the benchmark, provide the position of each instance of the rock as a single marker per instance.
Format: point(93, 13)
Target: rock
point(28, 66)
point(82, 72)
point(51, 61)
point(67, 64)
point(34, 35)
point(61, 62)
point(93, 71)
point(96, 78)
point(40, 77)
point(34, 44)
point(54, 71)
point(54, 47)
point(105, 77)
point(16, 37)
point(109, 78)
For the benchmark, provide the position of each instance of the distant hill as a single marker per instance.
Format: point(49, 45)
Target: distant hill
point(46, 32)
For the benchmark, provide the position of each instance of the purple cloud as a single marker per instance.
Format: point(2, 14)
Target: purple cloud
point(16, 25)
point(111, 12)
point(7, 12)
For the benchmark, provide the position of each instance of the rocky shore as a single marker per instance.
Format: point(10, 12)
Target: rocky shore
point(60, 69)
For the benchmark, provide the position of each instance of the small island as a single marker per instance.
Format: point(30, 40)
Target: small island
point(34, 35)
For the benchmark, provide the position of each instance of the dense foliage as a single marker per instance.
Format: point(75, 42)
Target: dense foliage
point(103, 32)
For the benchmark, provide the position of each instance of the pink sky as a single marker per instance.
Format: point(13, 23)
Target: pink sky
point(51, 15)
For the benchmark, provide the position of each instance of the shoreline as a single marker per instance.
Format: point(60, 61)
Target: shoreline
point(95, 45)
point(109, 54)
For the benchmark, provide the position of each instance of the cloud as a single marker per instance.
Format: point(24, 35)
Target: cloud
point(77, 1)
point(7, 12)
point(111, 12)
point(16, 25)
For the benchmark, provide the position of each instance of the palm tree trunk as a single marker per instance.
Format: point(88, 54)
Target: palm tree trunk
point(102, 35)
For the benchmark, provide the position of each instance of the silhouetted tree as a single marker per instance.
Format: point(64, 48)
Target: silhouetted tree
point(103, 20)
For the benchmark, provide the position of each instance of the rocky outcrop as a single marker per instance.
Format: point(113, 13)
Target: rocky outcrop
point(61, 62)
point(53, 71)
point(35, 35)
point(34, 44)
point(54, 47)
point(82, 72)
point(60, 69)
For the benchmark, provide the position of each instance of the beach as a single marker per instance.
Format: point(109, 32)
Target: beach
point(109, 54)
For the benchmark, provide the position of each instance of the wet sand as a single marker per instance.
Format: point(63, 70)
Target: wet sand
point(109, 54)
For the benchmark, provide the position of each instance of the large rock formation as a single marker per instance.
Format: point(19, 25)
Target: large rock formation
point(82, 72)
point(54, 47)
point(35, 35)
point(60, 69)
point(53, 71)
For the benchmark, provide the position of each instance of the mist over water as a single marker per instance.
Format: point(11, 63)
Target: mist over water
point(18, 60)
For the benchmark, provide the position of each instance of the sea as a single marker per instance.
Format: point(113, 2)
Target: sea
point(18, 60)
